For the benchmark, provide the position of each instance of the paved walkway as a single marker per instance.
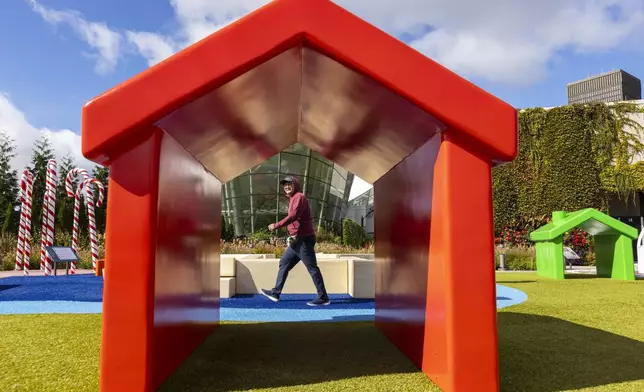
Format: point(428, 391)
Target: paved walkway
point(7, 274)
point(84, 294)
point(576, 269)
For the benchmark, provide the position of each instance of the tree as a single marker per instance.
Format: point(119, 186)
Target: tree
point(102, 174)
point(227, 230)
point(8, 182)
point(65, 212)
point(8, 224)
point(353, 234)
point(41, 154)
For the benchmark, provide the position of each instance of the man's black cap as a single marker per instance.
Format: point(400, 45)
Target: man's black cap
point(286, 179)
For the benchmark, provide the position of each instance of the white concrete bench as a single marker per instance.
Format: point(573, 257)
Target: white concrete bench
point(246, 274)
point(253, 274)
point(361, 278)
point(227, 287)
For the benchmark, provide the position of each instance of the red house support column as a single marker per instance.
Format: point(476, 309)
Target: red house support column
point(127, 333)
point(460, 348)
point(161, 294)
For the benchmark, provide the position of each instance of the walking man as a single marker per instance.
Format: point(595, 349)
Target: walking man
point(301, 243)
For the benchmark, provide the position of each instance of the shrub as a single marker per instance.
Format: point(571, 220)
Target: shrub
point(227, 230)
point(8, 224)
point(324, 235)
point(273, 246)
point(518, 259)
point(279, 252)
point(277, 248)
point(353, 234)
point(262, 235)
point(8, 244)
point(8, 261)
point(263, 249)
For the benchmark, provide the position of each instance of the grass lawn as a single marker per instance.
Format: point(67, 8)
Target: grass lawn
point(298, 357)
point(49, 352)
point(581, 334)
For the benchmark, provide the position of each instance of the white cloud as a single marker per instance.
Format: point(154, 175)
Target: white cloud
point(514, 41)
point(153, 47)
point(106, 42)
point(504, 41)
point(199, 18)
point(63, 141)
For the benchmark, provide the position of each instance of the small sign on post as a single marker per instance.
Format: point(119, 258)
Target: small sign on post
point(62, 254)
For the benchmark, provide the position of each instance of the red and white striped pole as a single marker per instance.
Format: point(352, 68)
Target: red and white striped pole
point(69, 189)
point(45, 222)
point(27, 213)
point(92, 217)
point(23, 252)
point(84, 189)
point(21, 226)
point(49, 214)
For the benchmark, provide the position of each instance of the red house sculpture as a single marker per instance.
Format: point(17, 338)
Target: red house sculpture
point(309, 72)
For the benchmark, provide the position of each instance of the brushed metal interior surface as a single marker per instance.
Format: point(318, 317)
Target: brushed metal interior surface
point(301, 95)
point(245, 121)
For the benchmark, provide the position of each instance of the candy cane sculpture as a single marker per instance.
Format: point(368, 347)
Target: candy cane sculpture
point(84, 189)
point(23, 252)
point(92, 218)
point(49, 214)
point(21, 226)
point(69, 189)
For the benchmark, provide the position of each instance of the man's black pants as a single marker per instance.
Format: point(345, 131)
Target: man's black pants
point(304, 250)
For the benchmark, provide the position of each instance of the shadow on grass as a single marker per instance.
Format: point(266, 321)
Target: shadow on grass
point(272, 355)
point(582, 276)
point(546, 354)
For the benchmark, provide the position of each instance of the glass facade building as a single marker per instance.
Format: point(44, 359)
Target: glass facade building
point(253, 200)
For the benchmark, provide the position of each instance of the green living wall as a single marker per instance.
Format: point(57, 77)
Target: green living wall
point(570, 157)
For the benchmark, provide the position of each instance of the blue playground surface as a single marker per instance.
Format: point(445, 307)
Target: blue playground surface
point(83, 294)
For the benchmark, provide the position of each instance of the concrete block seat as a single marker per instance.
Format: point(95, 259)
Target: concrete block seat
point(246, 274)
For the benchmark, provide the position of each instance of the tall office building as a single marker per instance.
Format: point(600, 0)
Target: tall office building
point(253, 200)
point(361, 210)
point(611, 86)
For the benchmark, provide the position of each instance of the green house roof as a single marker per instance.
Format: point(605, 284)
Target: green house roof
point(589, 220)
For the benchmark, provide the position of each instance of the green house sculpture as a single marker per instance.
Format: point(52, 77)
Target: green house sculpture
point(613, 244)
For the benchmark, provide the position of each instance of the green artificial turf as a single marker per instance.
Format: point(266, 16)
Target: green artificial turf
point(298, 357)
point(579, 334)
point(49, 352)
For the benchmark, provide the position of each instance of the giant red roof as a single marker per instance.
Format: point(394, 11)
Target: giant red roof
point(119, 117)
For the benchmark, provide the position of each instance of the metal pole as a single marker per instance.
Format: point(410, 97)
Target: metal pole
point(502, 262)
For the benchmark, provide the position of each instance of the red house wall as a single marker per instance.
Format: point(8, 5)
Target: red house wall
point(402, 221)
point(161, 294)
point(186, 271)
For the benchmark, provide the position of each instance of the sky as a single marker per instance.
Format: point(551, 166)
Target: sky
point(55, 55)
